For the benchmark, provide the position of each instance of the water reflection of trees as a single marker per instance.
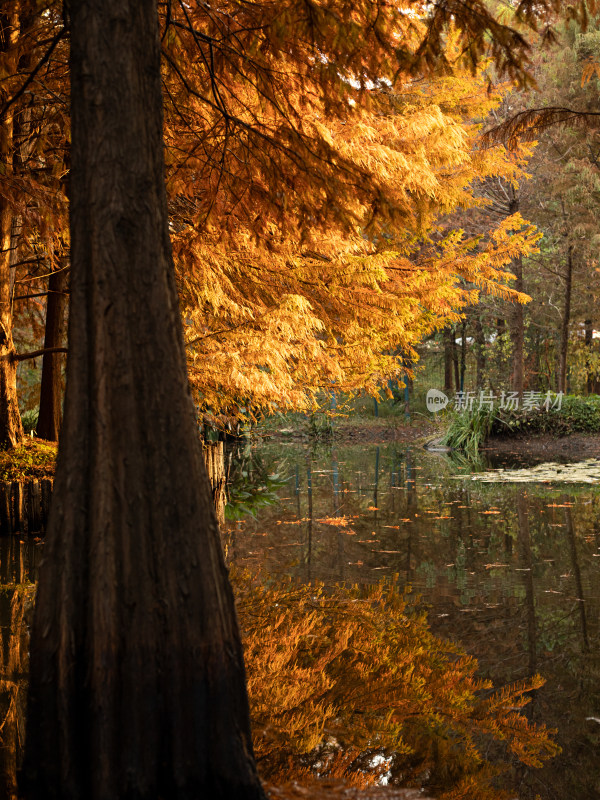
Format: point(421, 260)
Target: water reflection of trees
point(15, 603)
point(510, 572)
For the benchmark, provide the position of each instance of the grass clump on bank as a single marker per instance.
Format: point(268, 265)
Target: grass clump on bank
point(469, 430)
point(34, 458)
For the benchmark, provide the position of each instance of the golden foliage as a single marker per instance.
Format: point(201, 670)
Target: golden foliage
point(337, 676)
point(313, 149)
point(324, 270)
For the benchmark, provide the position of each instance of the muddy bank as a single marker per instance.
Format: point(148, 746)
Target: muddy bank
point(545, 447)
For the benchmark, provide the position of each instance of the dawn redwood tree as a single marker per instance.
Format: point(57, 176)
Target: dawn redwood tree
point(11, 429)
point(137, 679)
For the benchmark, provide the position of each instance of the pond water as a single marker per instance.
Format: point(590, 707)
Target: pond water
point(511, 571)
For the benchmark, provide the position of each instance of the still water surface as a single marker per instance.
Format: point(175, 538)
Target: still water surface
point(511, 571)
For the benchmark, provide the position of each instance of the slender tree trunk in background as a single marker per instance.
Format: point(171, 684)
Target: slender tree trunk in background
point(137, 679)
point(455, 359)
point(463, 355)
point(589, 340)
point(11, 429)
point(448, 360)
point(479, 352)
point(592, 380)
point(48, 426)
point(517, 331)
point(536, 360)
point(566, 319)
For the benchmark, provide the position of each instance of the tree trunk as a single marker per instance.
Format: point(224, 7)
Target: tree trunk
point(479, 353)
point(592, 383)
point(48, 426)
point(137, 679)
point(455, 359)
point(564, 328)
point(463, 355)
point(448, 360)
point(517, 332)
point(11, 429)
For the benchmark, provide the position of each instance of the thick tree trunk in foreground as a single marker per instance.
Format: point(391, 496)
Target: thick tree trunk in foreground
point(48, 426)
point(137, 678)
point(11, 429)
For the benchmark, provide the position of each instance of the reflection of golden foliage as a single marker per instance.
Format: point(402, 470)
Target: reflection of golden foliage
point(338, 675)
point(339, 522)
point(15, 602)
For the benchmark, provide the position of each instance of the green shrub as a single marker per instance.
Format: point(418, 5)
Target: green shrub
point(469, 429)
point(30, 421)
point(576, 415)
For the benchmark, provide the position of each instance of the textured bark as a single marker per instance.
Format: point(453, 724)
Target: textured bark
point(11, 429)
point(48, 426)
point(137, 679)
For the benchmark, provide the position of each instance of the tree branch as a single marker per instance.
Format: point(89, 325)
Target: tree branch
point(36, 353)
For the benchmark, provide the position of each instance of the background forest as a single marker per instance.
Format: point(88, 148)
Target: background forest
point(552, 342)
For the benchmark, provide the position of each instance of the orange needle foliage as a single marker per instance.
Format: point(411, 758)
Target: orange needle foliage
point(313, 149)
point(307, 208)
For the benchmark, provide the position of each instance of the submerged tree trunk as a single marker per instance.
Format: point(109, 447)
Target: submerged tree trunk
point(137, 679)
point(48, 426)
point(564, 328)
point(11, 429)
